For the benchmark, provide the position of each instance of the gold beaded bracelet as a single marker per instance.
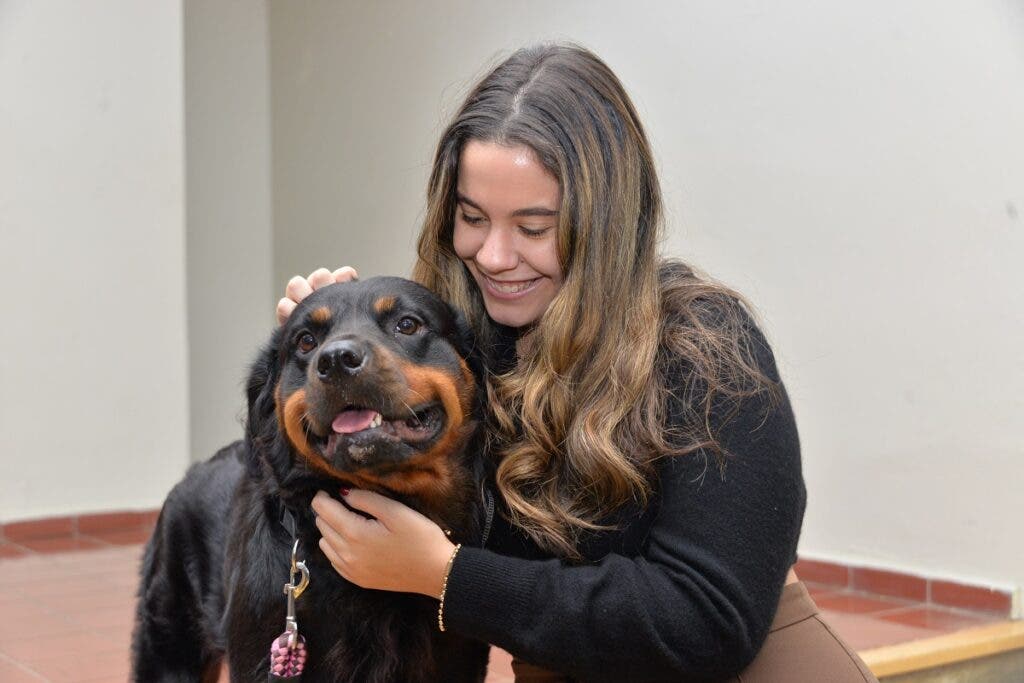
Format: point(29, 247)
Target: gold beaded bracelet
point(444, 587)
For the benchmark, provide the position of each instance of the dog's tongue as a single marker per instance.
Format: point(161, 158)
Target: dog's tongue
point(351, 421)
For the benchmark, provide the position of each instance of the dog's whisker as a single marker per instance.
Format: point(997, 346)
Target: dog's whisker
point(409, 407)
point(418, 394)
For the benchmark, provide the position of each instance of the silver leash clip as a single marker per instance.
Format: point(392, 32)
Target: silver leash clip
point(293, 590)
point(288, 651)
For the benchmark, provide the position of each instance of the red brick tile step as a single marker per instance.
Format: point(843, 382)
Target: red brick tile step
point(935, 592)
point(77, 532)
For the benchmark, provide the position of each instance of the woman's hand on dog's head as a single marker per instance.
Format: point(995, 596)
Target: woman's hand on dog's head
point(398, 550)
point(300, 287)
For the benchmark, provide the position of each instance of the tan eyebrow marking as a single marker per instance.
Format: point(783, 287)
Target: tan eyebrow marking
point(384, 304)
point(320, 315)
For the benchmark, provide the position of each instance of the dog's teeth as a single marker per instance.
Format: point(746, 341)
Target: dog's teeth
point(377, 420)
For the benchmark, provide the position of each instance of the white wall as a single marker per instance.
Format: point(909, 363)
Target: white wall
point(356, 106)
point(231, 295)
point(93, 412)
point(855, 168)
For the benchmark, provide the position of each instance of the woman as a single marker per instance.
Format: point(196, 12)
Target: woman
point(644, 452)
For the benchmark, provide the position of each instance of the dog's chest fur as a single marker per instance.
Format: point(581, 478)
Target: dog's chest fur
point(352, 634)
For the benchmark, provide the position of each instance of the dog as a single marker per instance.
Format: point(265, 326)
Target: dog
point(369, 384)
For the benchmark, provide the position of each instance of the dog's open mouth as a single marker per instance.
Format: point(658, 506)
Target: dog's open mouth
point(357, 425)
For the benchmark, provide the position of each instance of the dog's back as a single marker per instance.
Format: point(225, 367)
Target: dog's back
point(178, 634)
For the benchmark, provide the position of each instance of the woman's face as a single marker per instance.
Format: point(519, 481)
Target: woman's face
point(506, 227)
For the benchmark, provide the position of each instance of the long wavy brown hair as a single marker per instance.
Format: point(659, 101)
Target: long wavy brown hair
point(577, 425)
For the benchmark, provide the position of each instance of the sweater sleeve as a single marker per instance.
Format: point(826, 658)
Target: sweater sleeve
point(695, 605)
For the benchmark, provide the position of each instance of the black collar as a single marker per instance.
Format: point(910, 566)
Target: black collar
point(287, 519)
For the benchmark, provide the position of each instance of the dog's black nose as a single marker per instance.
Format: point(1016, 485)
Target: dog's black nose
point(341, 358)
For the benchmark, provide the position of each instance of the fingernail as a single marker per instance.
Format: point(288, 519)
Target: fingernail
point(344, 491)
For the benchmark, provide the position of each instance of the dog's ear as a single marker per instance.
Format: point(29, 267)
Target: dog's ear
point(260, 425)
point(465, 342)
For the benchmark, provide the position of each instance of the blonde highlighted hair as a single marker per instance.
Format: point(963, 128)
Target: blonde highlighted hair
point(578, 424)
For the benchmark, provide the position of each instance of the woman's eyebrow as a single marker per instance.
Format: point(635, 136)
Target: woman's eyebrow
point(518, 213)
point(534, 211)
point(463, 199)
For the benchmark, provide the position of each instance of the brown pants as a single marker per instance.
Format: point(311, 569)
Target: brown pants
point(801, 648)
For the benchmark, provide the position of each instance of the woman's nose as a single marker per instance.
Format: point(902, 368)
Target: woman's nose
point(498, 251)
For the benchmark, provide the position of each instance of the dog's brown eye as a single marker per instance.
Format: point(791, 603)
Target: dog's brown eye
point(307, 343)
point(407, 326)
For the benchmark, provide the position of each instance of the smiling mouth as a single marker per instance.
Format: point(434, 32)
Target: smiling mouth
point(514, 287)
point(361, 426)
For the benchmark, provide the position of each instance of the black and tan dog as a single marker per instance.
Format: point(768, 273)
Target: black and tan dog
point(368, 385)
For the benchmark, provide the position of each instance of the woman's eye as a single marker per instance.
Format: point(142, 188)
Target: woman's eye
point(306, 343)
point(533, 232)
point(407, 326)
point(472, 220)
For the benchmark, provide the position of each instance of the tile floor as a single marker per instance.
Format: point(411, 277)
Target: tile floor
point(67, 605)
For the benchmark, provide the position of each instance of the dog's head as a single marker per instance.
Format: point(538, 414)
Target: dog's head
point(367, 383)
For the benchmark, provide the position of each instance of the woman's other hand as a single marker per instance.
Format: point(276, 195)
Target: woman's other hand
point(398, 550)
point(300, 287)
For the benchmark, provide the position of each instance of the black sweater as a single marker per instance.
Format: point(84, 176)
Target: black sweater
point(683, 591)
